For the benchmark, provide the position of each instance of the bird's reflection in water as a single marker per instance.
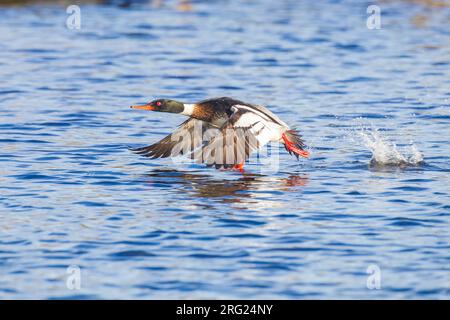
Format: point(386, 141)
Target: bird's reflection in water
point(233, 189)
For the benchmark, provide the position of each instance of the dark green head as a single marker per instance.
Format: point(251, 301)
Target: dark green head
point(162, 105)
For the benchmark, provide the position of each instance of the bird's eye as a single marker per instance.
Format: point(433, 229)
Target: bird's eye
point(158, 104)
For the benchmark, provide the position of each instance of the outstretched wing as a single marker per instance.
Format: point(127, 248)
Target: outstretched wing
point(246, 131)
point(183, 141)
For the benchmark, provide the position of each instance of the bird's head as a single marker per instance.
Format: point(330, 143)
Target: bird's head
point(162, 105)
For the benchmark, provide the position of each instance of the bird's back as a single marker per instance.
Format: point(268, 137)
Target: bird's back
point(222, 107)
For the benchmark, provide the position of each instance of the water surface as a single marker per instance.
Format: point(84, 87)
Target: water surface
point(71, 193)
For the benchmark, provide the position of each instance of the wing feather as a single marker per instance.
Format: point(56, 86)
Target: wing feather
point(184, 140)
point(244, 132)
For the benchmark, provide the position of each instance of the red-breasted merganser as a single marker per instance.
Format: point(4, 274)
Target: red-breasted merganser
point(234, 129)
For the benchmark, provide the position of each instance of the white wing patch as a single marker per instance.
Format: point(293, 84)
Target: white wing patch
point(261, 126)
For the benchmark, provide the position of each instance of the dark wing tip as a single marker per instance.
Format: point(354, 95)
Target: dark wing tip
point(147, 151)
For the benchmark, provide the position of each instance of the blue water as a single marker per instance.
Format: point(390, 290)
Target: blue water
point(71, 193)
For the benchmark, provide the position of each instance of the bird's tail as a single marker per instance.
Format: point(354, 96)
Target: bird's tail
point(294, 143)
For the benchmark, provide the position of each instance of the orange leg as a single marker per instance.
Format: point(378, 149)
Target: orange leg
point(239, 167)
point(291, 147)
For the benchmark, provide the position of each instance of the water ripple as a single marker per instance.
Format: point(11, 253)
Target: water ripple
point(373, 105)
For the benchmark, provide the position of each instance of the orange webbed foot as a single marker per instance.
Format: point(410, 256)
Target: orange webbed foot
point(292, 148)
point(239, 167)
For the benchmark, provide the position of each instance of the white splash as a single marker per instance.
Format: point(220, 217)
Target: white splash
point(386, 152)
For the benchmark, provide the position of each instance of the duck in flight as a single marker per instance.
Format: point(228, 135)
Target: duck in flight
point(233, 130)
